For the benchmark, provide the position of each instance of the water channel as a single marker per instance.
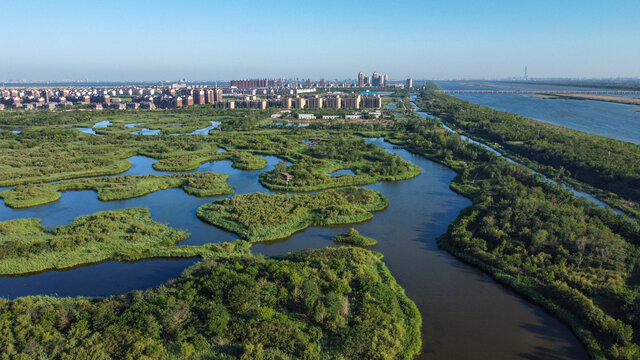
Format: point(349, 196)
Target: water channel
point(465, 313)
point(487, 147)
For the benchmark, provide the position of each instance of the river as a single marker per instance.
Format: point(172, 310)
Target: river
point(465, 313)
point(617, 121)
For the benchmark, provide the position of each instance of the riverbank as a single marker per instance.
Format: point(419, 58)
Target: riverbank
point(488, 235)
point(606, 167)
point(607, 98)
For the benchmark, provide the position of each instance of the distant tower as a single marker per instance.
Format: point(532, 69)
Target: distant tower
point(526, 77)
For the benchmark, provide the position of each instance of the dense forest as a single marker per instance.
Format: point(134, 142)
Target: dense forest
point(321, 304)
point(579, 261)
point(604, 163)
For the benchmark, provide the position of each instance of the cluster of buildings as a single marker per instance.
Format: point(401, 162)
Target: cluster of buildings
point(248, 93)
point(119, 98)
point(327, 101)
point(376, 80)
point(176, 96)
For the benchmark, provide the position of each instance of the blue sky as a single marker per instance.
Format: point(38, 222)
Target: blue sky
point(216, 40)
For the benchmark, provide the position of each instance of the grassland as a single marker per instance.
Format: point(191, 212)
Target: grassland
point(353, 237)
point(260, 217)
point(118, 187)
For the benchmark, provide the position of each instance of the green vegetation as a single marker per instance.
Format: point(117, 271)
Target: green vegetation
point(611, 167)
point(259, 217)
point(240, 160)
point(118, 187)
point(353, 237)
point(126, 235)
point(579, 261)
point(26, 246)
point(315, 164)
point(321, 304)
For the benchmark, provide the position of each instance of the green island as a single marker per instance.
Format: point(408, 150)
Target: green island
point(26, 246)
point(259, 217)
point(240, 160)
point(313, 168)
point(353, 237)
point(577, 260)
point(119, 187)
point(608, 168)
point(320, 304)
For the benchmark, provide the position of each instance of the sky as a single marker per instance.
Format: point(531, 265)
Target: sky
point(222, 40)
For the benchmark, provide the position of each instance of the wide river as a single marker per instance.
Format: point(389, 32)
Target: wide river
point(617, 121)
point(466, 315)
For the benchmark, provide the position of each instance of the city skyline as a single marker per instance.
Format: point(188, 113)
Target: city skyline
point(152, 41)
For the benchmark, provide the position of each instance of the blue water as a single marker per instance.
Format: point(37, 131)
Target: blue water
point(145, 131)
point(133, 125)
point(343, 172)
point(102, 124)
point(496, 324)
point(203, 131)
point(617, 121)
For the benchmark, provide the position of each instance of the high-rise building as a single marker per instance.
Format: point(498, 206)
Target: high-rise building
point(361, 79)
point(386, 80)
point(199, 97)
point(332, 102)
point(211, 97)
point(214, 95)
point(376, 79)
point(322, 83)
point(307, 83)
point(249, 84)
point(409, 83)
point(298, 103)
point(314, 102)
point(371, 102)
point(351, 102)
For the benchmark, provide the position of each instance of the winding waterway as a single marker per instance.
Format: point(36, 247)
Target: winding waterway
point(465, 313)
